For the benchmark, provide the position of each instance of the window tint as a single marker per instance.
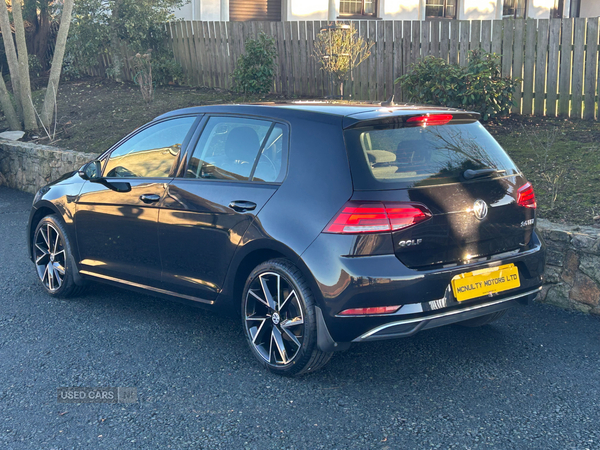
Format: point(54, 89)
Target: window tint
point(422, 156)
point(229, 147)
point(150, 153)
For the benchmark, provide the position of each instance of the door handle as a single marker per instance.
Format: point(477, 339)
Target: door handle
point(149, 198)
point(242, 205)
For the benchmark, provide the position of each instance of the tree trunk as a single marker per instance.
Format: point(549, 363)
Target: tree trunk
point(115, 42)
point(11, 56)
point(26, 100)
point(40, 41)
point(59, 52)
point(39, 25)
point(9, 111)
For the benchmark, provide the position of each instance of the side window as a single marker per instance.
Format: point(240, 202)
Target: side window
point(150, 153)
point(271, 161)
point(229, 148)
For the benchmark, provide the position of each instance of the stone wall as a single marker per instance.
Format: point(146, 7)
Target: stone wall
point(27, 167)
point(573, 266)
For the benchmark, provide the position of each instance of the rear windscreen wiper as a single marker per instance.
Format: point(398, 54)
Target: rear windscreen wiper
point(469, 174)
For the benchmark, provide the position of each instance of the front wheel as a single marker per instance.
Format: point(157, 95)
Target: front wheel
point(53, 258)
point(278, 314)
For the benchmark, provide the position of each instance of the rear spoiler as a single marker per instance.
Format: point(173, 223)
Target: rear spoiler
point(399, 118)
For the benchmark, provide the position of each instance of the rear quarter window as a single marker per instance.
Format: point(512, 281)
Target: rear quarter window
point(387, 157)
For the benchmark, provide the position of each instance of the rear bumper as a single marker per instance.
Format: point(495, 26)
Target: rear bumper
point(343, 282)
point(408, 327)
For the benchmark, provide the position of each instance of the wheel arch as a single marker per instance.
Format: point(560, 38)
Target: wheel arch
point(43, 210)
point(250, 256)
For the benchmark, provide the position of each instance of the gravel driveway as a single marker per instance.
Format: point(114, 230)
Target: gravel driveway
point(531, 381)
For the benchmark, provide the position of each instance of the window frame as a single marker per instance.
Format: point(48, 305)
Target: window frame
point(362, 15)
point(104, 157)
point(443, 16)
point(577, 5)
point(187, 155)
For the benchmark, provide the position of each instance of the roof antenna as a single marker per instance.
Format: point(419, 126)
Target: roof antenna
point(389, 101)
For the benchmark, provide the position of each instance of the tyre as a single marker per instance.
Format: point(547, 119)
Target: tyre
point(53, 258)
point(483, 320)
point(278, 315)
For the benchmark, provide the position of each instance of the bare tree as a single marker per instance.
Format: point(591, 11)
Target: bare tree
point(18, 64)
point(339, 49)
point(11, 55)
point(57, 61)
point(9, 111)
point(115, 42)
point(26, 100)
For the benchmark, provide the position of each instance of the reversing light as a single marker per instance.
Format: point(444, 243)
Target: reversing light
point(526, 196)
point(430, 120)
point(377, 217)
point(370, 311)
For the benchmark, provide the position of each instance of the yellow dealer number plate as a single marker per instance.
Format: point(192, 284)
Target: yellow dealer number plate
point(485, 281)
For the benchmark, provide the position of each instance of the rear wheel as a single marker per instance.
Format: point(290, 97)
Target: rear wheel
point(483, 320)
point(53, 258)
point(279, 319)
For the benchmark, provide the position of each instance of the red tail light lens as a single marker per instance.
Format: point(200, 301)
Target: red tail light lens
point(370, 311)
point(376, 217)
point(526, 196)
point(430, 119)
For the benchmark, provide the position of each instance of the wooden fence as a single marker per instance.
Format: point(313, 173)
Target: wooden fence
point(556, 59)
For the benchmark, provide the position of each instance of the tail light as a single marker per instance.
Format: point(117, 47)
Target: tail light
point(357, 217)
point(526, 196)
point(429, 120)
point(370, 311)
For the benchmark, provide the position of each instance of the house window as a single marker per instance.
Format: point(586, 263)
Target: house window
point(514, 8)
point(261, 10)
point(358, 7)
point(441, 9)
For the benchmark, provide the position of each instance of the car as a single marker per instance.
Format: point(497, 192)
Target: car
point(321, 224)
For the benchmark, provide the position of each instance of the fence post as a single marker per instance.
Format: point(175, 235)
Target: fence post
point(591, 66)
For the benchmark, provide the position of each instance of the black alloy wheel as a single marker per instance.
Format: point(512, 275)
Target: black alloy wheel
point(53, 258)
point(279, 319)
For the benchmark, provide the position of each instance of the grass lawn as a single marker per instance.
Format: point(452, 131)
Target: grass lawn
point(560, 157)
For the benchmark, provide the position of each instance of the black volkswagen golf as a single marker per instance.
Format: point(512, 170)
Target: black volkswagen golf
point(321, 224)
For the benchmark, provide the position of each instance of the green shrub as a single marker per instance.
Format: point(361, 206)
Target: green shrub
point(35, 66)
point(255, 69)
point(479, 86)
point(166, 70)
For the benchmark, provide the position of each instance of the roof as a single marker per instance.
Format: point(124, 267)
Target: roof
point(349, 112)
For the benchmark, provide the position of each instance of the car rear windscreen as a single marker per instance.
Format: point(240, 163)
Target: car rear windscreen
point(388, 157)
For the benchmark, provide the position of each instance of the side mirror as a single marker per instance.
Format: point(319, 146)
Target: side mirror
point(91, 171)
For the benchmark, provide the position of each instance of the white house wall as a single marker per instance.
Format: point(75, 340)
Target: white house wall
point(590, 8)
point(308, 9)
point(477, 9)
point(401, 9)
point(387, 9)
point(539, 9)
point(187, 12)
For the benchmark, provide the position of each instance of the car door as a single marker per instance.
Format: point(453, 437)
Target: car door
point(236, 166)
point(117, 231)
